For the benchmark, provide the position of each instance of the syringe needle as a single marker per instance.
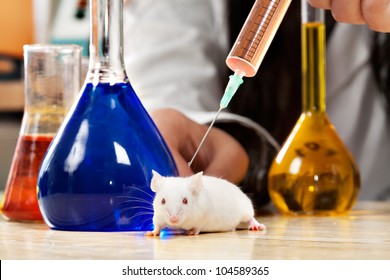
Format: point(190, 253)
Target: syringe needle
point(204, 137)
point(234, 82)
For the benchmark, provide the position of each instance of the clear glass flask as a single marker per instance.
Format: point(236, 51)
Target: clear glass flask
point(96, 174)
point(313, 173)
point(52, 81)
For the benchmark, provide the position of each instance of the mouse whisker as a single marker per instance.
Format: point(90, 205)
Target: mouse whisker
point(136, 199)
point(149, 219)
point(139, 214)
point(132, 196)
point(143, 191)
point(137, 207)
point(149, 225)
point(147, 214)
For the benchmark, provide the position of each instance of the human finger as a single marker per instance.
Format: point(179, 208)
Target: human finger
point(173, 126)
point(220, 156)
point(321, 4)
point(376, 14)
point(229, 159)
point(181, 163)
point(349, 11)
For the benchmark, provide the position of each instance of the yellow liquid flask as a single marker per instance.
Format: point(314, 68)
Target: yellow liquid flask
point(313, 173)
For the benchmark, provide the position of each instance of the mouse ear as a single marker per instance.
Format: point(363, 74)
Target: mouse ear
point(196, 183)
point(156, 179)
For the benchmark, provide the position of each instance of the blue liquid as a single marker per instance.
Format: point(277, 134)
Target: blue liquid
point(97, 171)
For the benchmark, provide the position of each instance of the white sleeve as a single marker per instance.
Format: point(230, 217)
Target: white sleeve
point(175, 51)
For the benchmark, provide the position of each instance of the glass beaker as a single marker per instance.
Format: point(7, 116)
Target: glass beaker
point(96, 174)
point(52, 81)
point(313, 173)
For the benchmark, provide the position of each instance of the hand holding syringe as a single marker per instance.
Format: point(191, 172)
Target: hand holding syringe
point(250, 48)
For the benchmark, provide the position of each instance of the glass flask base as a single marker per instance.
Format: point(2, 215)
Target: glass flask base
point(320, 194)
point(20, 198)
point(96, 175)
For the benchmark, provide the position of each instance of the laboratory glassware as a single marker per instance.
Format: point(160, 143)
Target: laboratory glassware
point(52, 81)
point(249, 49)
point(313, 173)
point(96, 174)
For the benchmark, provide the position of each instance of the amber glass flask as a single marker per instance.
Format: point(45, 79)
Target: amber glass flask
point(313, 173)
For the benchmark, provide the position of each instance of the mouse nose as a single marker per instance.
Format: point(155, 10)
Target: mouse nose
point(173, 219)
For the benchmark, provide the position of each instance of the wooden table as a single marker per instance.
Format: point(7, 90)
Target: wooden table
point(363, 234)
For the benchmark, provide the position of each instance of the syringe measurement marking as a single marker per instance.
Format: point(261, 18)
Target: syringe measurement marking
point(260, 28)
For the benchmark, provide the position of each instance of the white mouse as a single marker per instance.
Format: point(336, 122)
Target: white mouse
point(200, 204)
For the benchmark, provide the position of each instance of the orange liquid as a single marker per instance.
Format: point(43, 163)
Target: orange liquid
point(20, 199)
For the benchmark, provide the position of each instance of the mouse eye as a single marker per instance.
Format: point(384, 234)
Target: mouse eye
point(185, 201)
point(163, 201)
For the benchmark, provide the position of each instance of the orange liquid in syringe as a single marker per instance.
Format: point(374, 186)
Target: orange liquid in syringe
point(256, 35)
point(20, 199)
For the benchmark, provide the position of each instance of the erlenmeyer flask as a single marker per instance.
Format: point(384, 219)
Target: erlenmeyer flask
point(313, 173)
point(52, 81)
point(96, 174)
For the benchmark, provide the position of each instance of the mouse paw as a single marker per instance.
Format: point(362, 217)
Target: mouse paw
point(255, 225)
point(152, 233)
point(192, 231)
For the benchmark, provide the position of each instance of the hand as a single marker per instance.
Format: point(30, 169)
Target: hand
point(220, 156)
point(374, 13)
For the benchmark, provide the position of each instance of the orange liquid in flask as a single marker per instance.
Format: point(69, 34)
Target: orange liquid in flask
point(20, 201)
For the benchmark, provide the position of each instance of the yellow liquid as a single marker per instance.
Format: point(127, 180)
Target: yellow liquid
point(43, 120)
point(313, 67)
point(313, 173)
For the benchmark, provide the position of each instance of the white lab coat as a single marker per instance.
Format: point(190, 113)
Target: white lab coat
point(357, 109)
point(175, 51)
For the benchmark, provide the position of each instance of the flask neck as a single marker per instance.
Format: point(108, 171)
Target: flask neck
point(106, 42)
point(313, 59)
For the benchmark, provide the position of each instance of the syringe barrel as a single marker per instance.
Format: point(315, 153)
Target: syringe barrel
point(256, 35)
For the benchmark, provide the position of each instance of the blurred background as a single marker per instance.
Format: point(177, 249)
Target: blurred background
point(30, 22)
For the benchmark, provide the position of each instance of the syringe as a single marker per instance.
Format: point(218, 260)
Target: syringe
point(250, 48)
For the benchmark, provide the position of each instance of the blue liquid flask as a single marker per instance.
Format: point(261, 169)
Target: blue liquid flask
point(96, 173)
